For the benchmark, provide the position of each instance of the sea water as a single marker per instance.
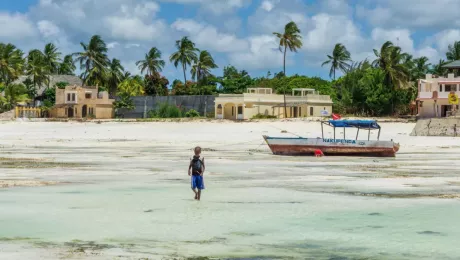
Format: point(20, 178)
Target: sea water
point(124, 198)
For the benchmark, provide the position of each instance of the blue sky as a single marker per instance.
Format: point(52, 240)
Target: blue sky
point(236, 32)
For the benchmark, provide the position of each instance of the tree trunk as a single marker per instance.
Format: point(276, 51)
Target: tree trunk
point(284, 88)
point(185, 77)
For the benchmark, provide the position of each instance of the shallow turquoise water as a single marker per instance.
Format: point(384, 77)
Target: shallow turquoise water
point(132, 199)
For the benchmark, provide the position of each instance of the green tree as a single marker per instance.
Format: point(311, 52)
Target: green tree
point(421, 68)
point(115, 75)
point(131, 87)
point(93, 61)
point(37, 69)
point(339, 60)
point(185, 54)
point(453, 52)
point(234, 81)
point(11, 63)
point(67, 67)
point(390, 60)
point(292, 40)
point(152, 62)
point(52, 58)
point(156, 85)
point(14, 94)
point(201, 70)
point(438, 69)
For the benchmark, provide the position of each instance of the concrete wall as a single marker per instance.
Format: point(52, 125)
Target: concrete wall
point(437, 127)
point(152, 103)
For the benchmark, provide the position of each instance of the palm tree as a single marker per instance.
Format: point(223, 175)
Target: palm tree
point(37, 68)
point(130, 87)
point(152, 62)
point(14, 94)
point(454, 52)
point(115, 75)
point(391, 61)
point(185, 54)
point(292, 40)
point(339, 60)
point(11, 63)
point(438, 69)
point(67, 67)
point(52, 58)
point(203, 66)
point(421, 68)
point(93, 61)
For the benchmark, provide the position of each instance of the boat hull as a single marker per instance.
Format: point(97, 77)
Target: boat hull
point(308, 146)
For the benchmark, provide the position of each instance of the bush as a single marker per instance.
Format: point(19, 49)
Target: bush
point(260, 116)
point(62, 84)
point(152, 114)
point(192, 113)
point(169, 111)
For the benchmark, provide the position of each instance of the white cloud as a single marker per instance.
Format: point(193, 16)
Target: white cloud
point(47, 28)
point(15, 26)
point(207, 37)
point(132, 28)
point(400, 37)
point(112, 45)
point(262, 54)
point(268, 5)
point(216, 7)
point(412, 13)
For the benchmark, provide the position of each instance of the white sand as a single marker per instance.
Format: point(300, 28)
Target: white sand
point(125, 184)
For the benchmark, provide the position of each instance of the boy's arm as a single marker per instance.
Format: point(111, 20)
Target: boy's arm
point(190, 168)
point(203, 167)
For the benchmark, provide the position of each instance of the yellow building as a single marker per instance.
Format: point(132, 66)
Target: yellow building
point(81, 102)
point(302, 103)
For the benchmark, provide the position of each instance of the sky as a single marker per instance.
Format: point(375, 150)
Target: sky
point(235, 32)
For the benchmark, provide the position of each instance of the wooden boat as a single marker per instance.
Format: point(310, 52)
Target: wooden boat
point(334, 146)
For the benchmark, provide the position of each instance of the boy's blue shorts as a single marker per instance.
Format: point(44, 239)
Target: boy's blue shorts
point(197, 182)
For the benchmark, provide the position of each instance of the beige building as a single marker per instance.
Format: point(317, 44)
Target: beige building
point(80, 102)
point(302, 103)
point(433, 93)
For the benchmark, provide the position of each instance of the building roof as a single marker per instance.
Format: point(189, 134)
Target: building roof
point(452, 65)
point(72, 80)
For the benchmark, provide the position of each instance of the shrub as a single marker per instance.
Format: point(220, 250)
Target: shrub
point(192, 113)
point(152, 114)
point(260, 116)
point(169, 111)
point(62, 84)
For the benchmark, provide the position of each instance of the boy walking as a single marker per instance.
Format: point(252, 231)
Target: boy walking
point(196, 170)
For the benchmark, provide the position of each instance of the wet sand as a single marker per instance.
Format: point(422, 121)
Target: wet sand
point(120, 190)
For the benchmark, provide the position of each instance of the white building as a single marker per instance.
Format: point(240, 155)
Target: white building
point(433, 93)
point(302, 103)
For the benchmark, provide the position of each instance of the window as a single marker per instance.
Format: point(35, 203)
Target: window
point(240, 110)
point(233, 108)
point(71, 97)
point(88, 95)
point(449, 88)
point(311, 111)
point(91, 111)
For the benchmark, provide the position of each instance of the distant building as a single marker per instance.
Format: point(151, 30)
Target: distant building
point(302, 103)
point(433, 95)
point(80, 102)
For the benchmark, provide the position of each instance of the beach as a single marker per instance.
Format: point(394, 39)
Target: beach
point(120, 190)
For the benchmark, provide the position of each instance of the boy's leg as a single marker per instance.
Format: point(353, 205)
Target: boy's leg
point(198, 195)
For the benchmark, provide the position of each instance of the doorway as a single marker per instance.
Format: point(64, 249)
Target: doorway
point(84, 111)
point(70, 112)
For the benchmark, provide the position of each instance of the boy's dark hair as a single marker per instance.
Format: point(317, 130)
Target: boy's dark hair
point(197, 149)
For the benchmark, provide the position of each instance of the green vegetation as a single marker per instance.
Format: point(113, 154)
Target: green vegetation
point(192, 113)
point(261, 116)
point(382, 86)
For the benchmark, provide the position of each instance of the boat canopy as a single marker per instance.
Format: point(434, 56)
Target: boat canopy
point(368, 124)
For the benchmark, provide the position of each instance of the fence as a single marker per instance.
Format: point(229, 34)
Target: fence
point(27, 112)
point(203, 104)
